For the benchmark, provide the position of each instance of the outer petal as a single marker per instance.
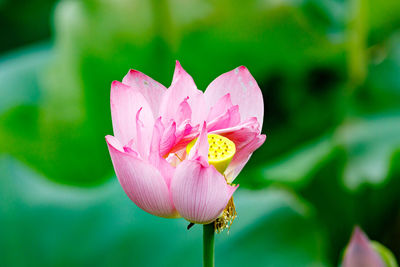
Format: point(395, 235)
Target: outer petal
point(247, 139)
point(244, 92)
point(151, 90)
point(242, 156)
point(359, 253)
point(143, 183)
point(183, 87)
point(199, 193)
point(125, 104)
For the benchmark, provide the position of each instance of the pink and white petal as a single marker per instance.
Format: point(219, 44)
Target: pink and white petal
point(155, 157)
point(241, 133)
point(185, 133)
point(200, 193)
point(142, 140)
point(114, 142)
point(184, 112)
point(143, 183)
point(182, 87)
point(117, 145)
point(168, 139)
point(199, 108)
point(244, 92)
point(125, 104)
point(129, 150)
point(151, 90)
point(199, 151)
point(247, 139)
point(242, 156)
point(229, 118)
point(220, 107)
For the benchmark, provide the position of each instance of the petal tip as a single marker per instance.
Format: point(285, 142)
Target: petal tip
point(118, 84)
point(113, 144)
point(115, 83)
point(359, 236)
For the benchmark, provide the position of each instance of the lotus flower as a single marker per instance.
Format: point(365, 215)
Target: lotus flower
point(360, 252)
point(163, 138)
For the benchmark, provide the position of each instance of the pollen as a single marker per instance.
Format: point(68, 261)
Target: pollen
point(225, 220)
point(220, 152)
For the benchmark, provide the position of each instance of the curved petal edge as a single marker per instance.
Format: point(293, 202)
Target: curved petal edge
point(200, 194)
point(142, 182)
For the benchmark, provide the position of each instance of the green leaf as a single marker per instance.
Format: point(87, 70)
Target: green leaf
point(296, 168)
point(19, 72)
point(369, 143)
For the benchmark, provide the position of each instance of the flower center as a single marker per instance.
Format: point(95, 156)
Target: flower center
point(220, 152)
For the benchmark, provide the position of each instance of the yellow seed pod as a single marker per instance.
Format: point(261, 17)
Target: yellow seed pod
point(220, 152)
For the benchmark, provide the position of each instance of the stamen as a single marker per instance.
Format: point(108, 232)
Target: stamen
point(227, 217)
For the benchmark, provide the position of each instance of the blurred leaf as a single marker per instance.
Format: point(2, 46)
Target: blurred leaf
point(19, 75)
point(49, 146)
point(370, 144)
point(383, 18)
point(51, 224)
point(298, 167)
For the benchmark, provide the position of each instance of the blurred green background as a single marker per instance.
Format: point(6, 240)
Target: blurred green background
point(330, 75)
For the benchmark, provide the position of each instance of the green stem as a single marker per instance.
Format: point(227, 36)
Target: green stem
point(208, 245)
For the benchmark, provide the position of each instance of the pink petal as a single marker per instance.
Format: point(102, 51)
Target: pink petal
point(168, 139)
point(183, 87)
point(143, 183)
point(242, 156)
point(199, 193)
point(199, 108)
point(140, 143)
point(239, 134)
point(230, 118)
point(359, 253)
point(244, 92)
point(125, 104)
point(221, 106)
point(184, 112)
point(129, 150)
point(114, 143)
point(155, 157)
point(247, 139)
point(199, 151)
point(184, 134)
point(151, 90)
